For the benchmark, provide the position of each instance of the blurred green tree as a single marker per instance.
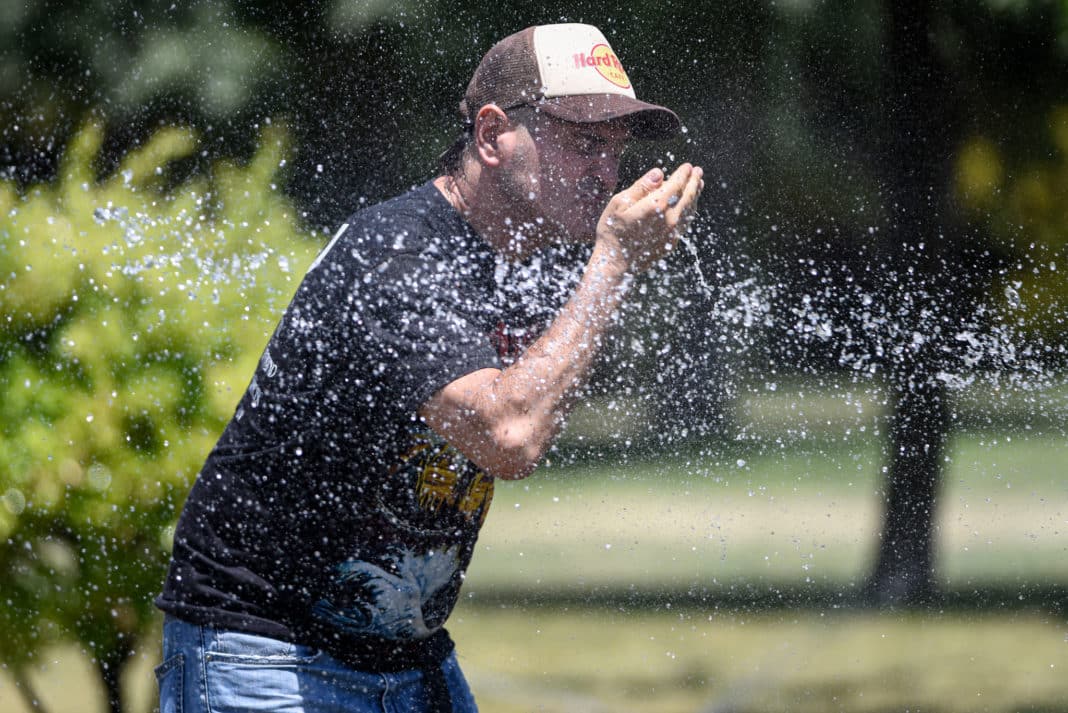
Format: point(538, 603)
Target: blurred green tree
point(1023, 202)
point(134, 315)
point(138, 287)
point(870, 121)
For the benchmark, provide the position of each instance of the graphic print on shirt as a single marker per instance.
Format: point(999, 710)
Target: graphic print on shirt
point(439, 480)
point(390, 603)
point(401, 590)
point(394, 594)
point(510, 342)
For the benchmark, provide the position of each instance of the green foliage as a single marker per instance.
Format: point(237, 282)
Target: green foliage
point(133, 316)
point(1025, 205)
point(133, 52)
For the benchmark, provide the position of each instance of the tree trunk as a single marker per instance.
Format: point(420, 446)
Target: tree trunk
point(919, 428)
point(111, 667)
point(26, 689)
point(917, 144)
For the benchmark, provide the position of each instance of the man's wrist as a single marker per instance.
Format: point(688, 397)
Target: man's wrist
point(609, 262)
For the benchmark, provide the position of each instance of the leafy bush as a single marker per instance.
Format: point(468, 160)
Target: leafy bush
point(133, 315)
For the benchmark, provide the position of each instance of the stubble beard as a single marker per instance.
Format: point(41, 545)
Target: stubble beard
point(531, 225)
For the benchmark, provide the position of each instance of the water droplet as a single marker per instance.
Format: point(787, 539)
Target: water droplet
point(14, 501)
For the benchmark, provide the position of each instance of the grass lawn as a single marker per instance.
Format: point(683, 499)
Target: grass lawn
point(581, 594)
point(809, 513)
point(608, 660)
point(597, 660)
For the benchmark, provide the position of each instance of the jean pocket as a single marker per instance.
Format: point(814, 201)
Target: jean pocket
point(240, 648)
point(238, 684)
point(169, 675)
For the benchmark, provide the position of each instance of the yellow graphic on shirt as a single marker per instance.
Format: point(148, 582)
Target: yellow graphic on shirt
point(479, 494)
point(441, 469)
point(437, 480)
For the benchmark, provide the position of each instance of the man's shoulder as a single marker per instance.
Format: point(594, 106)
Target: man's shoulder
point(417, 228)
point(419, 211)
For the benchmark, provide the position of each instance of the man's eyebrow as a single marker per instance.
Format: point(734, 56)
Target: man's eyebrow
point(594, 138)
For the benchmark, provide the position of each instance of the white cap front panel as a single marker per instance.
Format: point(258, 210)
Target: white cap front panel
point(576, 59)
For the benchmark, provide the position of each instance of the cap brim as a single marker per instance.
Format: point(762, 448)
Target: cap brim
point(646, 121)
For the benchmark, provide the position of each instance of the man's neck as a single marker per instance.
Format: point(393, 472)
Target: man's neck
point(490, 218)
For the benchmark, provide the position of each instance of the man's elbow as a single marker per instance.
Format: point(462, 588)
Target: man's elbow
point(517, 450)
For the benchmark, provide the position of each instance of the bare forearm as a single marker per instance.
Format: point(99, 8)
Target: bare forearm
point(538, 389)
point(505, 420)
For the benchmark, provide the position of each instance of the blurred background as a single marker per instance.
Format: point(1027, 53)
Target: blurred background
point(821, 466)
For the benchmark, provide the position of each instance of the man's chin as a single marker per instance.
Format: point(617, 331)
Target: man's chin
point(568, 232)
point(584, 231)
point(577, 234)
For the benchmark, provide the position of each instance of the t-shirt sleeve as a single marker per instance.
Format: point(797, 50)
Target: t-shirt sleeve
point(422, 327)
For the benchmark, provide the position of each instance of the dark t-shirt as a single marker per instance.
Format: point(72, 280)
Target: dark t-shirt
point(328, 513)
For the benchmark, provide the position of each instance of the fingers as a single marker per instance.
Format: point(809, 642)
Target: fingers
point(674, 186)
point(671, 194)
point(646, 219)
point(641, 188)
point(682, 209)
point(675, 201)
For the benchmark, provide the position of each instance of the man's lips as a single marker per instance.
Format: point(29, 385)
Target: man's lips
point(596, 200)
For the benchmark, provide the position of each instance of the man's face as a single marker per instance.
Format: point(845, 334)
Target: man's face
point(566, 172)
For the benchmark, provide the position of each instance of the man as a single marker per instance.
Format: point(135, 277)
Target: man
point(325, 540)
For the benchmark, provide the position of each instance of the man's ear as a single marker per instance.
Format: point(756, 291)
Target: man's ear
point(490, 123)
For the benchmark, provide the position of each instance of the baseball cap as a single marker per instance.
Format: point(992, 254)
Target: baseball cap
point(569, 72)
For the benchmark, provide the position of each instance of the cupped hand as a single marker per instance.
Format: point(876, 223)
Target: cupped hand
point(643, 222)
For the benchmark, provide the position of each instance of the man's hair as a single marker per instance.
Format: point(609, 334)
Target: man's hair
point(451, 160)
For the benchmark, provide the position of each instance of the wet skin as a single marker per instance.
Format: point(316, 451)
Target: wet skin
point(566, 173)
point(505, 420)
point(530, 180)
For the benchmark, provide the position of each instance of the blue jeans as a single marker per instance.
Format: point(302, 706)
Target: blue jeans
point(209, 670)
